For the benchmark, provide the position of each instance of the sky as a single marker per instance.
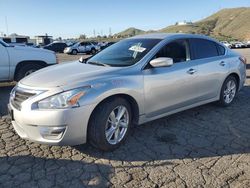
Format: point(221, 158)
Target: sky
point(67, 19)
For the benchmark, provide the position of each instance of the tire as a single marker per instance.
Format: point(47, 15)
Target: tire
point(27, 70)
point(93, 51)
point(228, 91)
point(100, 124)
point(74, 52)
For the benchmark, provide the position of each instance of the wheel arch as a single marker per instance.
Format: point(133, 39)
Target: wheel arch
point(131, 100)
point(237, 77)
point(28, 62)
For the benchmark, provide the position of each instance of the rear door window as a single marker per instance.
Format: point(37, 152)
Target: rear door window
point(203, 48)
point(221, 49)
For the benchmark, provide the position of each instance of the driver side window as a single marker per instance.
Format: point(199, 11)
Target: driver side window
point(178, 50)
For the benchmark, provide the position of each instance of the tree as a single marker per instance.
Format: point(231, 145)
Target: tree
point(82, 36)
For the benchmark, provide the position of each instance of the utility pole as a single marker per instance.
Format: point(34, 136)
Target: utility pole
point(110, 33)
point(94, 33)
point(6, 24)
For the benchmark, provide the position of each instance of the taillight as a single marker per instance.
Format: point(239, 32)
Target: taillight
point(243, 59)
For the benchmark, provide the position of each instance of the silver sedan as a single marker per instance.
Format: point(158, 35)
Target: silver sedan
point(134, 81)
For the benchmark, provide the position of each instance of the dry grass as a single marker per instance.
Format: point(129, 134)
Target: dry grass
point(227, 24)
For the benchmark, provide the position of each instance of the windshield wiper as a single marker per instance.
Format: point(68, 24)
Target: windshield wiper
point(98, 63)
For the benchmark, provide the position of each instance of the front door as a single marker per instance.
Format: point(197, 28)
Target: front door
point(82, 47)
point(170, 88)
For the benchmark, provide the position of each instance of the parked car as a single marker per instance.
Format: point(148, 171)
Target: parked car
point(107, 45)
point(30, 44)
point(56, 46)
point(17, 62)
point(227, 44)
point(17, 44)
point(132, 82)
point(82, 47)
point(239, 45)
point(248, 44)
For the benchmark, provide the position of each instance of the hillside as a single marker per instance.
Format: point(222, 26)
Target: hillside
point(227, 24)
point(129, 32)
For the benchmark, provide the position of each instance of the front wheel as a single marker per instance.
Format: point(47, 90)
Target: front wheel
point(93, 51)
point(74, 52)
point(228, 91)
point(110, 124)
point(26, 70)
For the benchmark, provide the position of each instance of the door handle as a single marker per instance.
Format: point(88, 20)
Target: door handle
point(191, 71)
point(222, 63)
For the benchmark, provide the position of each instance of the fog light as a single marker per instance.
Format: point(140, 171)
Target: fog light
point(52, 133)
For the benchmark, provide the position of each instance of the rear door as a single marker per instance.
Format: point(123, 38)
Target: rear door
point(62, 47)
point(211, 67)
point(4, 63)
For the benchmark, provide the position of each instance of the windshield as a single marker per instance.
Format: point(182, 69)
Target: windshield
point(124, 53)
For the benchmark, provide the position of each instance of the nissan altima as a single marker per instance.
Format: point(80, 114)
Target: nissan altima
point(134, 81)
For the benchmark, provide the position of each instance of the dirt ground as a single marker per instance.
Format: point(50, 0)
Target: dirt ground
point(207, 146)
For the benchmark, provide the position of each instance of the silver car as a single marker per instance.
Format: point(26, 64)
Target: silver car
point(134, 81)
point(82, 47)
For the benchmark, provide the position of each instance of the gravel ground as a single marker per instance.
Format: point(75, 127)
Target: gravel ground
point(203, 147)
point(67, 58)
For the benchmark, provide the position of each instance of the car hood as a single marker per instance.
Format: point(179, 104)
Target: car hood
point(66, 74)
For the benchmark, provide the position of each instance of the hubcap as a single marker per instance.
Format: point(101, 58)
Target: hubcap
point(229, 91)
point(117, 125)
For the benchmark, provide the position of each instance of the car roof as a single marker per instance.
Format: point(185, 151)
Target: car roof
point(172, 36)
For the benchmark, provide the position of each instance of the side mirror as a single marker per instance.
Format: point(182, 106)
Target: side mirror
point(162, 62)
point(83, 60)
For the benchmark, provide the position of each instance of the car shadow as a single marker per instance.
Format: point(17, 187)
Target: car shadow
point(205, 131)
point(30, 171)
point(4, 98)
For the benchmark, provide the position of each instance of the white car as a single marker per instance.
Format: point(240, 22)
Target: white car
point(17, 62)
point(227, 44)
point(239, 45)
point(82, 47)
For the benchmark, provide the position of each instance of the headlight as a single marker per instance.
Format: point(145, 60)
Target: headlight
point(67, 99)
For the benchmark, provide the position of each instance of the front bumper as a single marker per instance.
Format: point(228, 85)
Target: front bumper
point(67, 51)
point(31, 124)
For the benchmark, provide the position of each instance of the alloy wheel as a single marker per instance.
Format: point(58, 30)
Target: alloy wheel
point(117, 125)
point(229, 91)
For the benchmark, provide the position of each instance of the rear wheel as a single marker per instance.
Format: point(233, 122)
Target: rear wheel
point(27, 70)
point(93, 51)
point(110, 124)
point(74, 52)
point(228, 91)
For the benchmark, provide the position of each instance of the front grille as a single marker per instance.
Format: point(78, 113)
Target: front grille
point(18, 96)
